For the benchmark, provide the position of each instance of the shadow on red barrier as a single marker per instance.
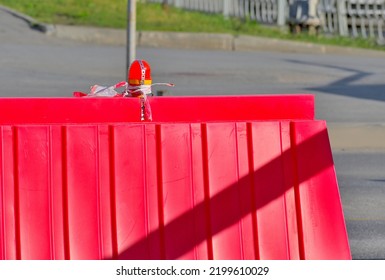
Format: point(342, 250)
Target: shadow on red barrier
point(232, 190)
point(311, 225)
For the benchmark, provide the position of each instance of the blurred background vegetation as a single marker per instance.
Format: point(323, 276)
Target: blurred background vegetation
point(155, 17)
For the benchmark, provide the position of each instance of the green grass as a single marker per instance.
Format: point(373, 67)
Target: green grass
point(113, 13)
point(109, 13)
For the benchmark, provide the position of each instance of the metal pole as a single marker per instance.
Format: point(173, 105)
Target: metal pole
point(131, 33)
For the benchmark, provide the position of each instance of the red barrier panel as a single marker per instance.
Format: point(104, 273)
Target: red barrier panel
point(165, 109)
point(258, 189)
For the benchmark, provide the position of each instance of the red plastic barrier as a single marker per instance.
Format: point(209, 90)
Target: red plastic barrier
point(165, 109)
point(256, 189)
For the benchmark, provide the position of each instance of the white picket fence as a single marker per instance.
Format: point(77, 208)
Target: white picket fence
point(264, 11)
point(356, 18)
point(364, 18)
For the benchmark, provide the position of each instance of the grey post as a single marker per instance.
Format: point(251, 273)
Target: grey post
point(226, 8)
point(342, 18)
point(178, 3)
point(131, 33)
point(281, 12)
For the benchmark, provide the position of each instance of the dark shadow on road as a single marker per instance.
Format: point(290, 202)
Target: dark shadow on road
point(348, 86)
point(377, 180)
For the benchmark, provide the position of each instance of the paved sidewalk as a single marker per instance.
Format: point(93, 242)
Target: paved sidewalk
point(207, 41)
point(357, 137)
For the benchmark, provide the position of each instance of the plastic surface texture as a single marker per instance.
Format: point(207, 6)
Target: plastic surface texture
point(230, 189)
point(165, 109)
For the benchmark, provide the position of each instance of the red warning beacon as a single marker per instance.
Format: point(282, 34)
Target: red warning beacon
point(139, 78)
point(139, 85)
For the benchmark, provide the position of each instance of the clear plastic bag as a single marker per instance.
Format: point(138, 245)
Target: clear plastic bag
point(141, 92)
point(104, 91)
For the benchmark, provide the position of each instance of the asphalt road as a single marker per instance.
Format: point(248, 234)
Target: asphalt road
point(349, 90)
